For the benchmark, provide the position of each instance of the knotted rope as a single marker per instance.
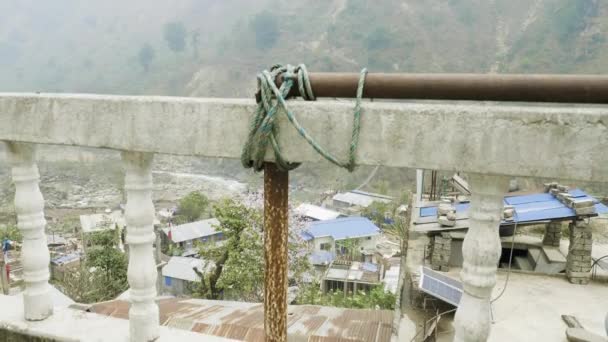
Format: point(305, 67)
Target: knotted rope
point(263, 130)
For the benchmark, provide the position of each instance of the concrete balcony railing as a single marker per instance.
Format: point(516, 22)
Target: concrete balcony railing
point(490, 142)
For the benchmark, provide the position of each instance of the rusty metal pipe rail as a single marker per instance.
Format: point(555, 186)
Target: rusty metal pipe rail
point(475, 87)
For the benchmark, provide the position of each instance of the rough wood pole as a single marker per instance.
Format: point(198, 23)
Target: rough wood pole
point(275, 252)
point(3, 277)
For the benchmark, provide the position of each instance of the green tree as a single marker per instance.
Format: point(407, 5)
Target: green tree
point(378, 39)
point(377, 211)
point(192, 206)
point(238, 262)
point(109, 262)
point(83, 286)
point(175, 35)
point(102, 275)
point(145, 56)
point(265, 25)
point(376, 298)
point(351, 249)
point(10, 232)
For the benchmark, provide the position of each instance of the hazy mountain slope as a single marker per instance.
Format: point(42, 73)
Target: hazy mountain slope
point(77, 46)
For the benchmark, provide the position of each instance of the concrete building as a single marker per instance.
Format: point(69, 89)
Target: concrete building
point(357, 198)
point(351, 277)
point(335, 238)
point(64, 263)
point(179, 275)
point(187, 236)
point(316, 213)
point(102, 221)
point(550, 210)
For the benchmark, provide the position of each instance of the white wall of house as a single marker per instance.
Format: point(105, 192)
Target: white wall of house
point(368, 242)
point(365, 243)
point(318, 242)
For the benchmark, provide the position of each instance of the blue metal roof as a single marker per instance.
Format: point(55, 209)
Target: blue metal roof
point(535, 207)
point(342, 228)
point(64, 259)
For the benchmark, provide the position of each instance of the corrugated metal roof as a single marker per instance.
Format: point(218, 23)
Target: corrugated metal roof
point(360, 198)
point(245, 321)
point(535, 207)
point(182, 268)
point(356, 271)
point(193, 230)
point(66, 259)
point(315, 212)
point(342, 228)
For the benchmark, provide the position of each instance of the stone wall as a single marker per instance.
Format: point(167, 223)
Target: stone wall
point(553, 234)
point(578, 262)
point(441, 251)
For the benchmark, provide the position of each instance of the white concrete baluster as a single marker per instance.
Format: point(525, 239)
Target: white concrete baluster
point(29, 206)
point(481, 251)
point(143, 314)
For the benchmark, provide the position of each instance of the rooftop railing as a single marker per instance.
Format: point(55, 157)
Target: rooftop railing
point(489, 141)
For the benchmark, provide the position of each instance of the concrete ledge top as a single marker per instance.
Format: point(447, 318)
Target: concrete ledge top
point(74, 325)
point(554, 141)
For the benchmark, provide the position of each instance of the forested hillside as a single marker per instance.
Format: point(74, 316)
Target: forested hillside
point(215, 47)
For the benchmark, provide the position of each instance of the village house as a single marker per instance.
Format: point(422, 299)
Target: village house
point(102, 221)
point(179, 275)
point(351, 237)
point(187, 236)
point(351, 277)
point(553, 210)
point(60, 265)
point(358, 199)
point(316, 213)
point(56, 243)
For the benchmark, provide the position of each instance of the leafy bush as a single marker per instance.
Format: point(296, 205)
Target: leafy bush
point(10, 232)
point(377, 298)
point(103, 275)
point(191, 207)
point(570, 19)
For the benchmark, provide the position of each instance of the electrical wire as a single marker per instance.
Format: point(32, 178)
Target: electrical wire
point(432, 319)
point(501, 292)
point(504, 288)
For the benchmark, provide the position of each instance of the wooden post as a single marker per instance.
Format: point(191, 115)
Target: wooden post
point(276, 186)
point(3, 276)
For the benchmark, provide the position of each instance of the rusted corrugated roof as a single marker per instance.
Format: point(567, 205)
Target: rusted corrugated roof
point(245, 321)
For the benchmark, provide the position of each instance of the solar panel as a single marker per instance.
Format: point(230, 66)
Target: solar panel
point(440, 286)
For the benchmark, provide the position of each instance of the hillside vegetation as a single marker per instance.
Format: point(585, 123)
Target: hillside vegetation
point(215, 47)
